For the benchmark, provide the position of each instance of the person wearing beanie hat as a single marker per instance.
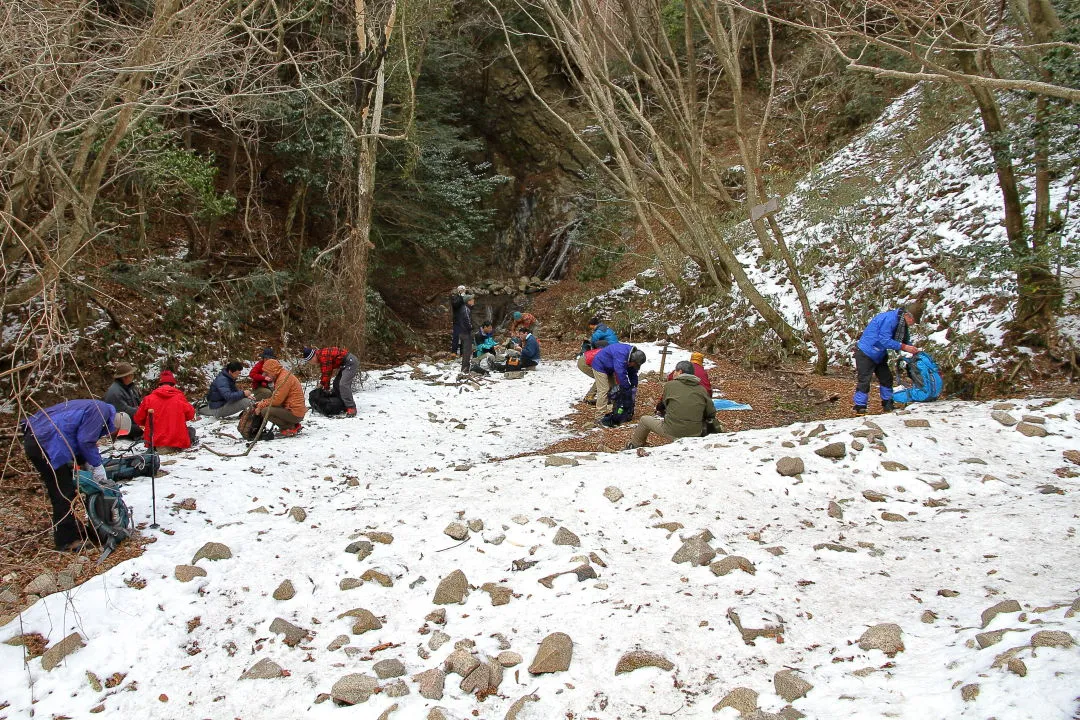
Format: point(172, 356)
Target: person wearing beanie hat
point(285, 408)
point(261, 384)
point(886, 331)
point(123, 394)
point(523, 320)
point(333, 360)
point(56, 440)
point(172, 412)
point(697, 360)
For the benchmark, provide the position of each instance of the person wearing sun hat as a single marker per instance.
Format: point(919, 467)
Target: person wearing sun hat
point(123, 394)
point(59, 438)
point(172, 412)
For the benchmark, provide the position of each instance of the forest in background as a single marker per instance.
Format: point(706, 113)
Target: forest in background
point(182, 178)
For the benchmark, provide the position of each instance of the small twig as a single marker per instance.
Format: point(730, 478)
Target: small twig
point(675, 710)
point(454, 546)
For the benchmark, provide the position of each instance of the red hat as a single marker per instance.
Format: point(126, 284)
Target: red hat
point(167, 378)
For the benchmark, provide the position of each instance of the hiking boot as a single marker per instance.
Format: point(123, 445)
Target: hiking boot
point(590, 398)
point(289, 432)
point(859, 409)
point(350, 412)
point(888, 405)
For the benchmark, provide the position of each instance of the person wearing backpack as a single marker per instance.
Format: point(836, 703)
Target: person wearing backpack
point(172, 411)
point(224, 398)
point(285, 408)
point(886, 331)
point(334, 360)
point(124, 395)
point(261, 386)
point(59, 438)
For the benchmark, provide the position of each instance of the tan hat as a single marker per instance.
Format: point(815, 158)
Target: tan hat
point(123, 370)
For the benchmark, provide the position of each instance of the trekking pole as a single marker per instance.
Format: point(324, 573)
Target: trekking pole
point(153, 483)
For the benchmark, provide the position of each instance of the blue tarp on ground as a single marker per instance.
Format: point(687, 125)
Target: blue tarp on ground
point(725, 404)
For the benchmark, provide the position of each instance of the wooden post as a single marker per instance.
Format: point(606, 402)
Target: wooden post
point(664, 352)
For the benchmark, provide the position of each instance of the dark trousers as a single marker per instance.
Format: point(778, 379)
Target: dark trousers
point(466, 351)
point(455, 342)
point(60, 485)
point(526, 364)
point(866, 368)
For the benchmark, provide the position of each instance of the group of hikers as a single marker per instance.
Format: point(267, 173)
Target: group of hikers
point(61, 441)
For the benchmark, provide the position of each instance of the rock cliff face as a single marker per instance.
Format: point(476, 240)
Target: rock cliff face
point(541, 208)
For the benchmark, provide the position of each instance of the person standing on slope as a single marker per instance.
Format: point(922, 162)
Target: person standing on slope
point(886, 331)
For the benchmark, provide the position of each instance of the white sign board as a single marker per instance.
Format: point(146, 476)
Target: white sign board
point(759, 211)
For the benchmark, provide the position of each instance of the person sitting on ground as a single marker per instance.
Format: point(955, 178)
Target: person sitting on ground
point(697, 360)
point(224, 398)
point(463, 326)
point(285, 408)
point(484, 341)
point(261, 386)
point(530, 349)
point(615, 364)
point(685, 409)
point(456, 302)
point(600, 335)
point(333, 360)
point(56, 440)
point(887, 331)
point(522, 320)
point(124, 395)
point(172, 411)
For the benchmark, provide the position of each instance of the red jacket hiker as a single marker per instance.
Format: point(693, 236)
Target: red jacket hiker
point(330, 359)
point(171, 413)
point(703, 376)
point(257, 377)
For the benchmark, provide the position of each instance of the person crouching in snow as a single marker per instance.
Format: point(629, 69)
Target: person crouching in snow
point(261, 386)
point(285, 408)
point(335, 360)
point(887, 331)
point(685, 408)
point(530, 349)
point(172, 411)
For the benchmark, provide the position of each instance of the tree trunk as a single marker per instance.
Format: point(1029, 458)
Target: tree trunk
point(818, 338)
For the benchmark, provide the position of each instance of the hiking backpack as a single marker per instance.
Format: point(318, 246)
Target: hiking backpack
point(109, 515)
point(325, 403)
point(622, 401)
point(129, 467)
point(924, 375)
point(249, 424)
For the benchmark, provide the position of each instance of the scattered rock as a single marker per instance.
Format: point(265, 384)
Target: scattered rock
point(885, 637)
point(1005, 606)
point(438, 639)
point(613, 493)
point(284, 591)
point(1017, 667)
point(1035, 419)
point(893, 466)
point(940, 484)
point(969, 692)
point(696, 551)
point(565, 537)
point(1004, 418)
point(484, 680)
point(500, 594)
point(520, 520)
point(186, 504)
point(494, 538)
point(742, 699)
point(437, 616)
point(187, 573)
point(928, 616)
point(388, 668)
point(1031, 430)
point(509, 659)
point(671, 527)
point(298, 514)
point(383, 538)
point(749, 635)
point(353, 689)
point(733, 562)
point(457, 531)
point(835, 511)
point(350, 583)
point(394, 689)
point(560, 461)
point(636, 659)
point(1052, 638)
point(212, 551)
point(947, 593)
point(476, 525)
point(452, 590)
point(55, 654)
point(836, 451)
point(835, 547)
point(790, 466)
point(365, 620)
point(460, 662)
point(893, 517)
point(337, 643)
point(261, 510)
point(918, 422)
point(44, 584)
point(379, 577)
point(547, 521)
point(431, 683)
point(988, 638)
point(361, 548)
point(790, 686)
point(265, 669)
point(874, 496)
point(554, 654)
point(1072, 456)
point(294, 635)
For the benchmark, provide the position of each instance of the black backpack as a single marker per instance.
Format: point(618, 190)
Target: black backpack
point(129, 467)
point(325, 403)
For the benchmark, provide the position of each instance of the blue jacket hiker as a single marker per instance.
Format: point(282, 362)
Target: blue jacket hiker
point(620, 361)
point(58, 438)
point(886, 331)
point(224, 398)
point(530, 349)
point(602, 335)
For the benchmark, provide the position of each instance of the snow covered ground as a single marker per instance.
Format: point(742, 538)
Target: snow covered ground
point(966, 526)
